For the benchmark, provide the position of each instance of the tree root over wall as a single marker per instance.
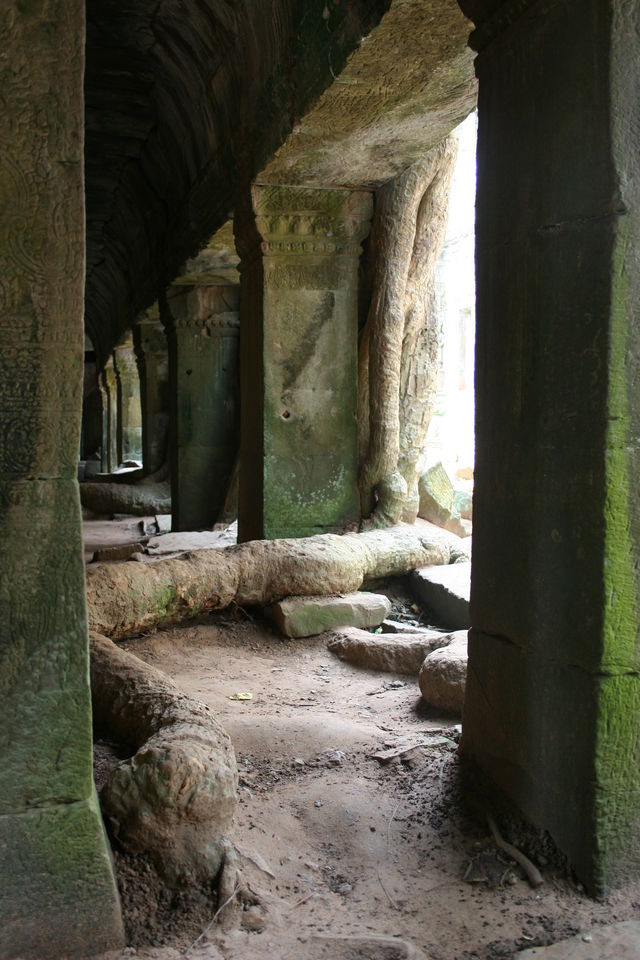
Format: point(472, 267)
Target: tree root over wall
point(127, 598)
point(175, 797)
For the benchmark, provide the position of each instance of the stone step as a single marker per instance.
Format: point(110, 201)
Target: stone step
point(389, 652)
point(445, 591)
point(308, 616)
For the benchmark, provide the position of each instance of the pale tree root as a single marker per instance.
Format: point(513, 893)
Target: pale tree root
point(127, 598)
point(175, 797)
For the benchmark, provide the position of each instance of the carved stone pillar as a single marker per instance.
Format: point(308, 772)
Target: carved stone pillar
point(202, 329)
point(109, 391)
point(57, 890)
point(150, 343)
point(552, 711)
point(129, 422)
point(299, 270)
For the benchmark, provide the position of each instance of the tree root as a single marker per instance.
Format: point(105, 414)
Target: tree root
point(532, 873)
point(127, 598)
point(175, 797)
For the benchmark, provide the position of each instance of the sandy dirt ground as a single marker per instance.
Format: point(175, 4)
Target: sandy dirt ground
point(351, 859)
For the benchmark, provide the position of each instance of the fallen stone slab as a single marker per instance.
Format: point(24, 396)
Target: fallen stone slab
point(119, 552)
point(616, 941)
point(308, 616)
point(443, 674)
point(172, 543)
point(402, 626)
point(390, 652)
point(445, 591)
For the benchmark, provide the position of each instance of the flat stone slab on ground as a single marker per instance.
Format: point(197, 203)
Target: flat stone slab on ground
point(616, 941)
point(445, 590)
point(192, 540)
point(308, 616)
point(390, 652)
point(443, 675)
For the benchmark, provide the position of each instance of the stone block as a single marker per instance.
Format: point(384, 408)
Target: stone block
point(308, 616)
point(58, 894)
point(437, 500)
point(443, 675)
point(390, 652)
point(445, 590)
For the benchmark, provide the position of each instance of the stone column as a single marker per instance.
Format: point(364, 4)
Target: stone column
point(299, 269)
point(150, 343)
point(129, 423)
point(552, 711)
point(202, 328)
point(109, 390)
point(57, 890)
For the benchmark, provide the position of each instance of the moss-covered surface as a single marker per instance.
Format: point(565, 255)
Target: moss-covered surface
point(553, 694)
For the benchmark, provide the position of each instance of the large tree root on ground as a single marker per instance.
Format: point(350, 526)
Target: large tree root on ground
point(175, 797)
point(127, 598)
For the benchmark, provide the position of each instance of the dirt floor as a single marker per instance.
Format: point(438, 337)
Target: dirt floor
point(336, 844)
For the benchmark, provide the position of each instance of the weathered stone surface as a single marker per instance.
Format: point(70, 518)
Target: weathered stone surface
point(140, 499)
point(150, 344)
point(443, 674)
point(300, 251)
point(129, 425)
point(445, 591)
point(616, 941)
point(391, 652)
point(463, 503)
point(373, 124)
point(552, 709)
point(192, 540)
point(57, 889)
point(436, 500)
point(308, 616)
point(203, 326)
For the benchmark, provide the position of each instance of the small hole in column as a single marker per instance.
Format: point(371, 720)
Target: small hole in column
point(286, 415)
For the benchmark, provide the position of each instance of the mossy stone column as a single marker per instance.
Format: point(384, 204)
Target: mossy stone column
point(57, 890)
point(202, 329)
point(109, 390)
point(552, 711)
point(150, 343)
point(299, 276)
point(129, 424)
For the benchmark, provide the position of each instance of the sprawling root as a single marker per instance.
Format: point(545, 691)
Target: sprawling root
point(175, 797)
point(127, 598)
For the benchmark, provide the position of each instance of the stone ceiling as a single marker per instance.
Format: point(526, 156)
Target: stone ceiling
point(181, 94)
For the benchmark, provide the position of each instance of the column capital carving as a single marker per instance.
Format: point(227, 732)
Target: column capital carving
point(149, 339)
point(212, 308)
point(294, 221)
